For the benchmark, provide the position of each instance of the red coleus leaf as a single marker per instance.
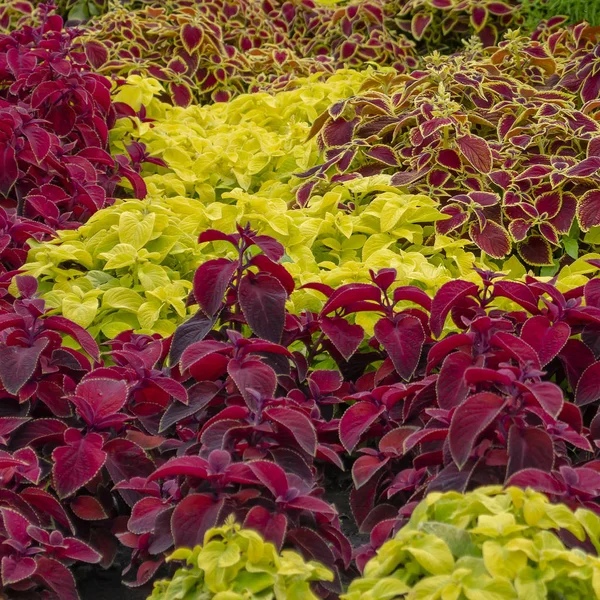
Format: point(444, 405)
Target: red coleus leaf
point(262, 300)
point(451, 385)
point(181, 93)
point(536, 251)
point(272, 476)
point(476, 151)
point(419, 24)
point(529, 448)
point(403, 341)
point(356, 421)
point(191, 36)
point(17, 364)
point(492, 238)
point(299, 425)
point(469, 420)
point(57, 577)
point(538, 480)
point(588, 210)
point(349, 294)
point(545, 338)
point(193, 517)
point(76, 463)
point(446, 297)
point(588, 389)
point(97, 400)
point(253, 375)
point(271, 526)
point(14, 569)
point(9, 170)
point(548, 395)
point(366, 467)
point(211, 281)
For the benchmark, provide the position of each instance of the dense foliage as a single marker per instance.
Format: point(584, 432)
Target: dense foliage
point(286, 264)
point(237, 564)
point(492, 543)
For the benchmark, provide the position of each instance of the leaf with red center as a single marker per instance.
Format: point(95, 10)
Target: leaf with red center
point(457, 218)
point(88, 508)
point(17, 364)
point(469, 420)
point(181, 93)
point(492, 238)
point(519, 228)
point(549, 233)
point(383, 154)
point(191, 36)
point(211, 281)
point(338, 132)
point(592, 293)
point(588, 388)
point(252, 375)
point(476, 151)
point(545, 338)
point(499, 8)
point(403, 341)
point(479, 17)
point(446, 297)
point(419, 24)
point(591, 87)
point(536, 251)
point(298, 424)
point(14, 570)
point(262, 300)
point(450, 159)
point(76, 463)
point(356, 421)
point(588, 210)
point(529, 448)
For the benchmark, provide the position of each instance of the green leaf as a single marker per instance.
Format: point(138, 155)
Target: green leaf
point(432, 554)
point(136, 229)
point(82, 312)
point(122, 298)
point(152, 276)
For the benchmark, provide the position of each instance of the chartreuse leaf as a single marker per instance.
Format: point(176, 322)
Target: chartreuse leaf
point(237, 564)
point(489, 544)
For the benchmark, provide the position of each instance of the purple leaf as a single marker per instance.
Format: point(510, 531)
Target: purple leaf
point(446, 297)
point(17, 364)
point(211, 281)
point(403, 341)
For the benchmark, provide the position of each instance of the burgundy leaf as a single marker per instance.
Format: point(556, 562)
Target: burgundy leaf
point(469, 420)
point(446, 297)
point(211, 281)
point(78, 462)
point(545, 338)
point(262, 299)
point(356, 421)
point(17, 364)
point(253, 375)
point(492, 238)
point(403, 341)
point(299, 426)
point(588, 387)
point(529, 448)
point(344, 336)
point(476, 151)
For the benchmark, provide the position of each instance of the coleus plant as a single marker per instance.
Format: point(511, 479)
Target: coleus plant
point(444, 23)
point(54, 120)
point(480, 156)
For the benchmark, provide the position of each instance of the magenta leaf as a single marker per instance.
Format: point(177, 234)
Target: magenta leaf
point(469, 420)
point(356, 421)
point(14, 570)
point(403, 341)
point(193, 517)
point(76, 463)
point(492, 238)
point(344, 336)
point(446, 297)
point(545, 338)
point(211, 281)
point(262, 299)
point(299, 425)
point(253, 375)
point(191, 466)
point(57, 577)
point(588, 388)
